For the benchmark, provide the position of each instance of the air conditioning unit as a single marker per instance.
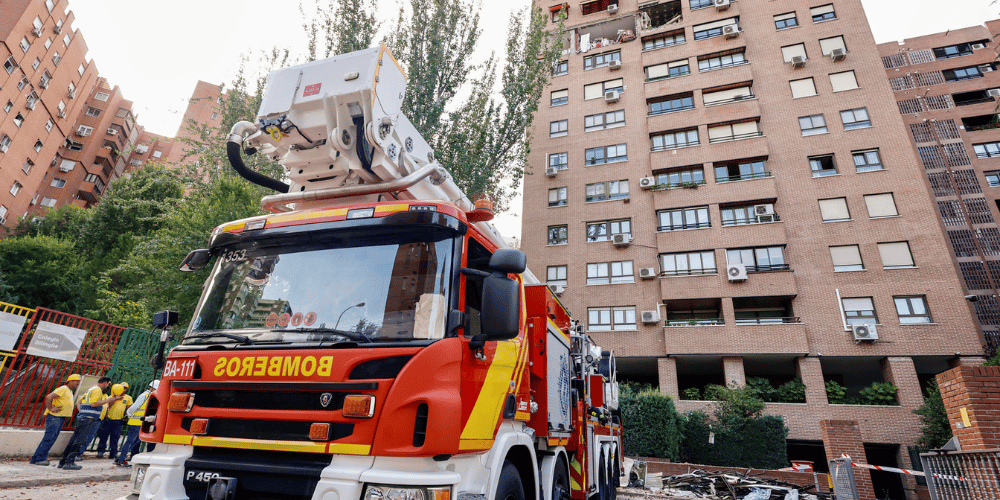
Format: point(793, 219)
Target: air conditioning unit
point(551, 171)
point(798, 62)
point(615, 64)
point(647, 182)
point(30, 104)
point(765, 218)
point(647, 273)
point(764, 209)
point(736, 272)
point(71, 94)
point(112, 131)
point(37, 32)
point(650, 316)
point(621, 240)
point(838, 54)
point(993, 92)
point(978, 46)
point(721, 4)
point(557, 290)
point(142, 148)
point(731, 30)
point(61, 114)
point(43, 84)
point(864, 332)
point(3, 149)
point(986, 68)
point(82, 132)
point(613, 9)
point(611, 96)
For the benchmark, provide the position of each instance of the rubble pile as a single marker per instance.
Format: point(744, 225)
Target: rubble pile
point(725, 485)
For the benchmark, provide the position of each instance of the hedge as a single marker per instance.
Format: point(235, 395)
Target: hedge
point(758, 442)
point(653, 428)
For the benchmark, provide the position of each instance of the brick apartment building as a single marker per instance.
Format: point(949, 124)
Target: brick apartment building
point(722, 190)
point(946, 88)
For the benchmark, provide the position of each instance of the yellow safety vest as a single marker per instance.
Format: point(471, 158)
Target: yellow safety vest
point(136, 418)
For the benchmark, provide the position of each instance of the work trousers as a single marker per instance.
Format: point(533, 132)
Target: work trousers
point(131, 439)
point(110, 430)
point(84, 427)
point(52, 426)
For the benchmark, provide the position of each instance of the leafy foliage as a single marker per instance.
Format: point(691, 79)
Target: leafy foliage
point(652, 426)
point(836, 393)
point(793, 391)
point(994, 361)
point(43, 271)
point(691, 394)
point(935, 430)
point(878, 393)
point(344, 25)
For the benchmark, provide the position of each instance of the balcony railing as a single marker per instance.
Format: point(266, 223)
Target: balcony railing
point(690, 272)
point(745, 221)
point(985, 126)
point(731, 99)
point(670, 110)
point(970, 102)
point(767, 268)
point(734, 178)
point(695, 322)
point(677, 227)
point(735, 137)
point(768, 321)
point(675, 146)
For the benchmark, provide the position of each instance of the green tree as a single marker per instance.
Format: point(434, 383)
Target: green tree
point(935, 430)
point(344, 25)
point(43, 271)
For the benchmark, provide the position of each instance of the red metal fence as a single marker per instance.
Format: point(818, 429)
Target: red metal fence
point(28, 379)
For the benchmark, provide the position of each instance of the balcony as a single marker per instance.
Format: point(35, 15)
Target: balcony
point(981, 122)
point(605, 34)
point(787, 338)
point(972, 98)
point(90, 192)
point(764, 310)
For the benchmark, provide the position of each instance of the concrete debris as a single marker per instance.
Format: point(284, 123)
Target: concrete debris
point(725, 485)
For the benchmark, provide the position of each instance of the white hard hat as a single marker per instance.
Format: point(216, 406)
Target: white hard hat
point(154, 385)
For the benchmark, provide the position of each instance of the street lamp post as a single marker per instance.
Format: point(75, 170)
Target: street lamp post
point(359, 304)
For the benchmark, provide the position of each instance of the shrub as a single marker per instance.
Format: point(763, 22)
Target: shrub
point(793, 391)
point(994, 361)
point(935, 430)
point(691, 393)
point(836, 393)
point(652, 426)
point(879, 393)
point(714, 392)
point(761, 388)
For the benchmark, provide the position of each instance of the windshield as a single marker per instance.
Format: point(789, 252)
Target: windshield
point(358, 287)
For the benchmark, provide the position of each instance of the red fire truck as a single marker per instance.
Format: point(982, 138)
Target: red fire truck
point(373, 338)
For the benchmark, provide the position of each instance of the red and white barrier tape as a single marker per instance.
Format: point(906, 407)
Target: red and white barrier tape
point(900, 471)
point(797, 468)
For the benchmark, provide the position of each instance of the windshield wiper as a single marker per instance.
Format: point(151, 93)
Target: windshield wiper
point(331, 331)
point(241, 338)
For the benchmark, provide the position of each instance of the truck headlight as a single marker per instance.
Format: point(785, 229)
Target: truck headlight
point(397, 492)
point(138, 475)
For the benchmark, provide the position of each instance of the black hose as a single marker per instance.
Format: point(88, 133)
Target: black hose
point(236, 160)
point(361, 146)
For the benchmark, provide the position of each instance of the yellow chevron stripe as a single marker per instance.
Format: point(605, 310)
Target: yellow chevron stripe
point(475, 444)
point(176, 439)
point(349, 449)
point(483, 419)
point(575, 465)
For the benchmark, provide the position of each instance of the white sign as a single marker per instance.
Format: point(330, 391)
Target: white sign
point(10, 330)
point(56, 341)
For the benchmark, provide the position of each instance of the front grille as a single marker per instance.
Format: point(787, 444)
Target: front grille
point(267, 400)
point(260, 475)
point(264, 429)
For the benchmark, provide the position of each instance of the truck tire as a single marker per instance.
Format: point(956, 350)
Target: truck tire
point(560, 482)
point(602, 481)
point(612, 480)
point(509, 487)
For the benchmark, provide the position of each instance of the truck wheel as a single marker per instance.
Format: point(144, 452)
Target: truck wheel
point(612, 480)
point(602, 481)
point(509, 487)
point(560, 482)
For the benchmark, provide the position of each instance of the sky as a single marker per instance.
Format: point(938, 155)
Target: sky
point(157, 51)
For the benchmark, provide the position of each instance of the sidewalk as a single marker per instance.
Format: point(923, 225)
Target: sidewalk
point(18, 473)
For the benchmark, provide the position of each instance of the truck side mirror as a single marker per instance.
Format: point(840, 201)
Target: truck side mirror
point(508, 260)
point(501, 307)
point(196, 260)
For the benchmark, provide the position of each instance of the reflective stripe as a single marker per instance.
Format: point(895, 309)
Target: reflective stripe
point(90, 411)
point(136, 418)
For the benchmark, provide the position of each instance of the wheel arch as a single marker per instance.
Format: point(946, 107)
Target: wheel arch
point(547, 468)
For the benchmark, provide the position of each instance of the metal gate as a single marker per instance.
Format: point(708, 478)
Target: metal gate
point(6, 356)
point(963, 475)
point(30, 378)
point(842, 477)
point(132, 360)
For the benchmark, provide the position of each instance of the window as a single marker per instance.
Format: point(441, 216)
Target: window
point(700, 4)
point(66, 39)
point(611, 119)
point(49, 124)
point(746, 213)
point(759, 259)
point(855, 118)
point(675, 139)
point(215, 116)
point(669, 104)
point(14, 189)
point(804, 87)
point(58, 183)
point(784, 21)
point(727, 94)
point(84, 130)
point(45, 79)
point(667, 70)
point(135, 162)
point(912, 309)
point(74, 146)
point(555, 275)
point(558, 160)
point(822, 166)
point(27, 165)
point(23, 83)
point(859, 311)
point(48, 202)
point(597, 90)
point(993, 178)
point(7, 107)
point(102, 96)
point(597, 6)
point(664, 40)
point(843, 81)
point(81, 69)
point(560, 68)
point(36, 63)
point(601, 60)
point(19, 120)
point(734, 131)
point(10, 64)
point(56, 58)
point(680, 176)
point(688, 263)
point(896, 255)
point(157, 154)
point(962, 49)
point(604, 319)
point(71, 87)
point(50, 4)
point(713, 29)
point(557, 197)
point(92, 111)
point(812, 125)
point(822, 13)
point(603, 230)
point(560, 97)
point(557, 235)
point(867, 161)
point(605, 154)
point(846, 258)
point(123, 113)
point(790, 51)
point(3, 214)
point(683, 218)
point(968, 73)
point(37, 23)
point(48, 43)
point(827, 45)
point(725, 60)
point(558, 128)
point(740, 170)
point(25, 44)
point(609, 190)
point(987, 149)
point(38, 146)
point(605, 273)
point(834, 209)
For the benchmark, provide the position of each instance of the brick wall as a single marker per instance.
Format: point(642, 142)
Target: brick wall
point(844, 436)
point(977, 390)
point(796, 478)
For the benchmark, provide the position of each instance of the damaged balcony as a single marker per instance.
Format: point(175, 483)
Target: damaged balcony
point(604, 34)
point(653, 16)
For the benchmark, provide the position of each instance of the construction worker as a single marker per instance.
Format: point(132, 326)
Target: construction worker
point(58, 407)
point(111, 427)
point(135, 414)
point(88, 416)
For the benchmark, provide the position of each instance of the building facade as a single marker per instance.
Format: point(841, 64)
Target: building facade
point(946, 89)
point(721, 193)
